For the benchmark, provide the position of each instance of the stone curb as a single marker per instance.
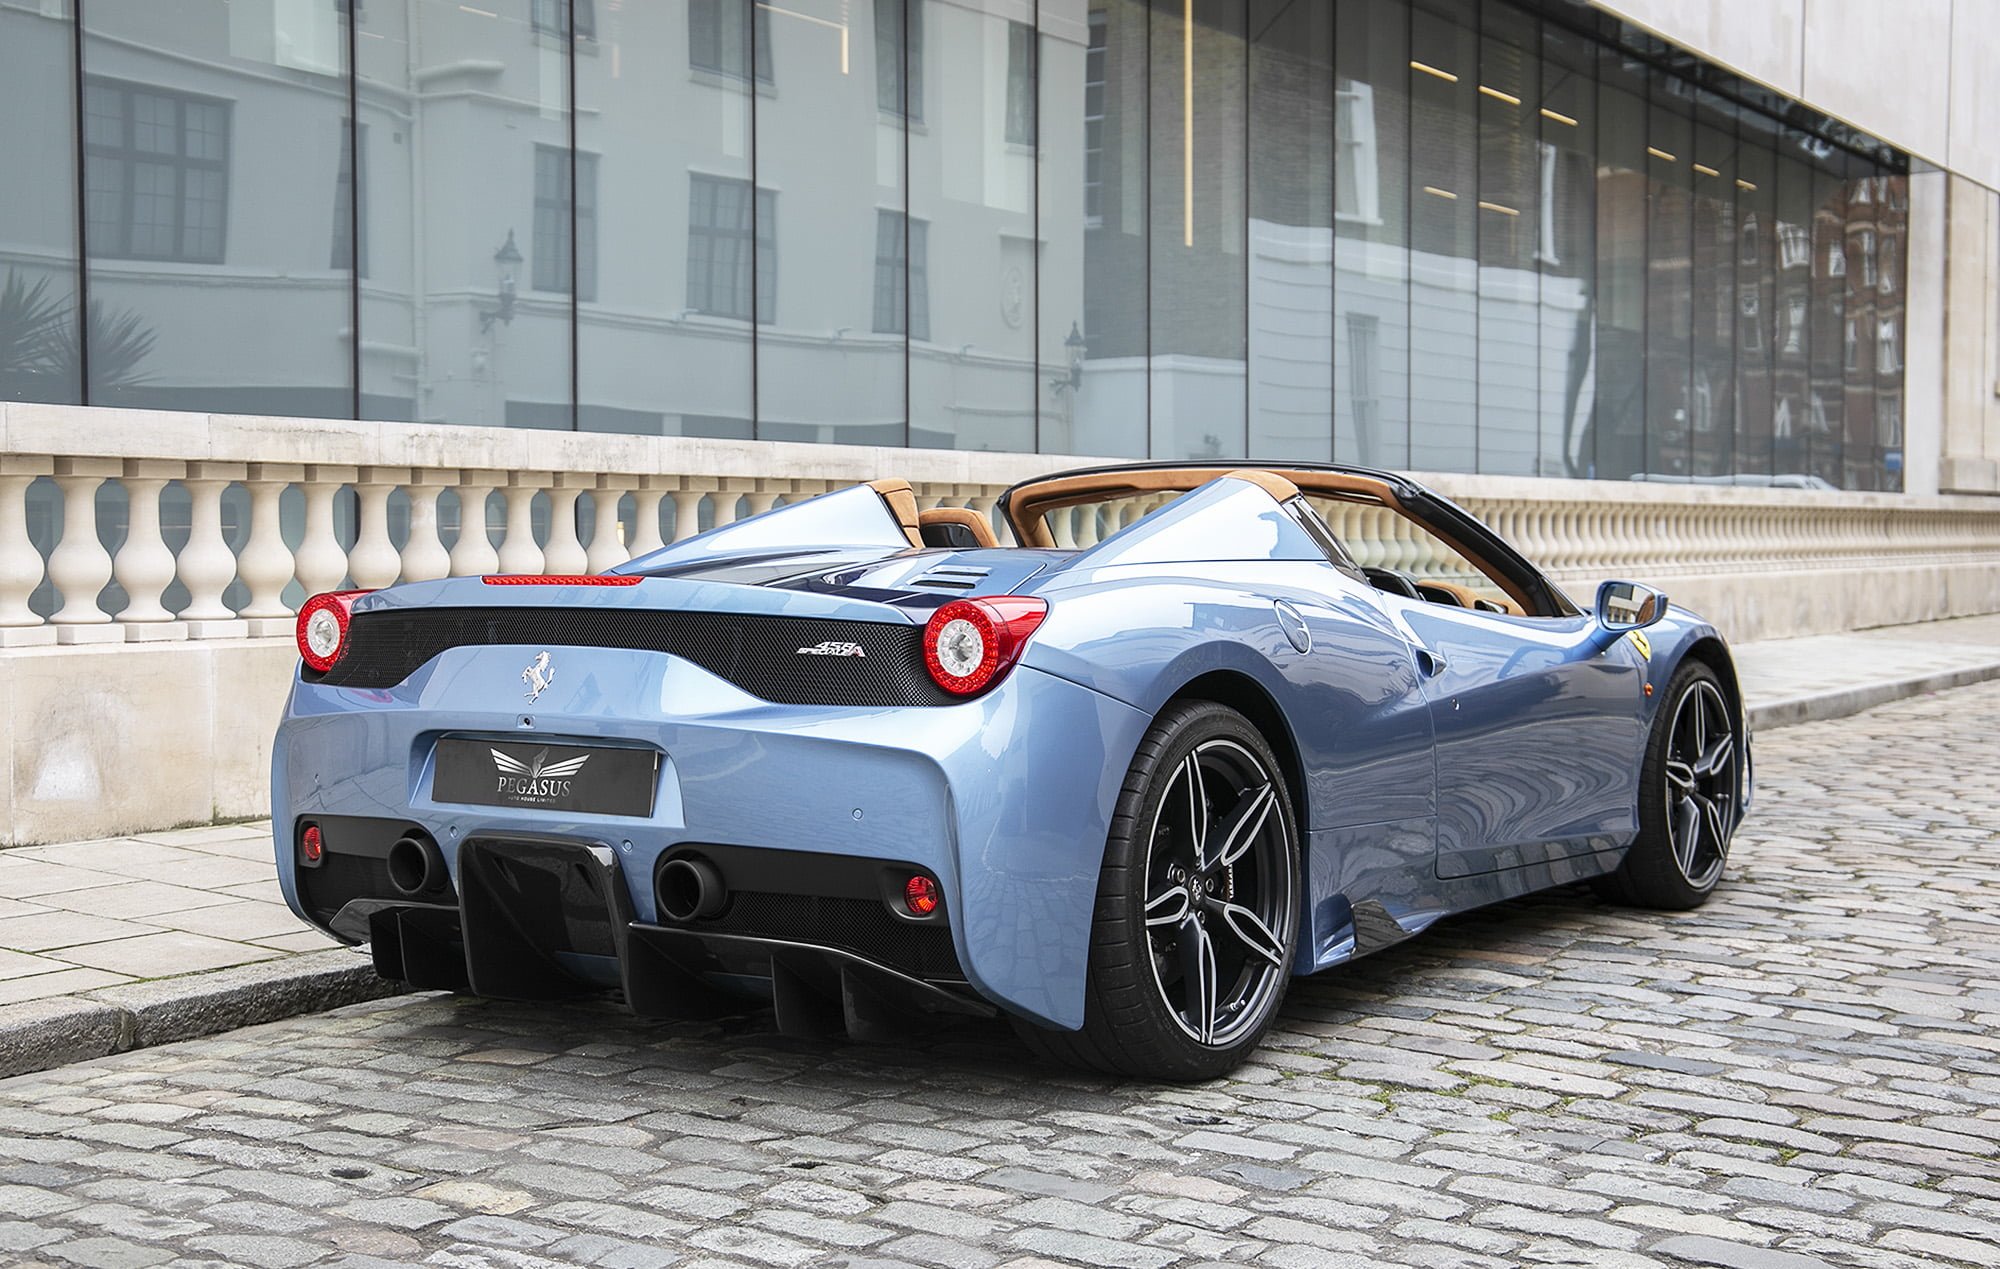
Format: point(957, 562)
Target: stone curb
point(40, 1034)
point(1852, 700)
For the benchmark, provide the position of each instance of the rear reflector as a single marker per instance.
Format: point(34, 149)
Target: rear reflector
point(920, 895)
point(558, 579)
point(311, 847)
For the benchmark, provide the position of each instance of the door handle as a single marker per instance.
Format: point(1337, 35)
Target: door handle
point(1431, 663)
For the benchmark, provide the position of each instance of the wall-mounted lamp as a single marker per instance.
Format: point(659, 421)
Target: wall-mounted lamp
point(506, 263)
point(1075, 347)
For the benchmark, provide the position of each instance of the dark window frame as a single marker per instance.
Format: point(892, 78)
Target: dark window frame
point(899, 59)
point(745, 249)
point(554, 17)
point(350, 222)
point(717, 48)
point(118, 243)
point(902, 275)
point(1021, 83)
point(556, 203)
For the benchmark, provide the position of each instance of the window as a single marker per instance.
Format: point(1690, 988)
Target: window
point(1889, 268)
point(552, 17)
point(902, 276)
point(720, 37)
point(350, 207)
point(1749, 240)
point(1850, 347)
point(1888, 358)
point(553, 208)
point(1751, 327)
point(1093, 123)
point(1867, 249)
point(156, 174)
point(1356, 191)
point(899, 78)
point(1020, 83)
point(1794, 248)
point(720, 266)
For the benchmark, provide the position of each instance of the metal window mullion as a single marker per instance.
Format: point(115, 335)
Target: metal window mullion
point(82, 209)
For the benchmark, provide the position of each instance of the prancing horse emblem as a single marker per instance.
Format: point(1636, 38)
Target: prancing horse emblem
point(538, 676)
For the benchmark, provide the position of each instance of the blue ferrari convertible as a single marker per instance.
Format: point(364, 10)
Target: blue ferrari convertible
point(1202, 729)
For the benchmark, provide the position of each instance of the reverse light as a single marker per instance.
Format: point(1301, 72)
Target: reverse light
point(970, 644)
point(323, 622)
point(920, 895)
point(312, 847)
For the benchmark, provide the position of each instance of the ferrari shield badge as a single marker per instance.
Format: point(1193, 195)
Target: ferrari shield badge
point(1638, 639)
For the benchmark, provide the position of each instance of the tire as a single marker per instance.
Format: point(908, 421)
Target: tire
point(1234, 918)
point(1688, 787)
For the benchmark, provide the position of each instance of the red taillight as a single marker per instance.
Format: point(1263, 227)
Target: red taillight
point(559, 579)
point(920, 895)
point(970, 644)
point(323, 628)
point(311, 846)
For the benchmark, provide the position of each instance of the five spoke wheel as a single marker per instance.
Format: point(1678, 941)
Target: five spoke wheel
point(1700, 782)
point(1219, 907)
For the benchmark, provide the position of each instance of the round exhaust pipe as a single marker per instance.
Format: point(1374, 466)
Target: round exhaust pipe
point(690, 889)
point(416, 865)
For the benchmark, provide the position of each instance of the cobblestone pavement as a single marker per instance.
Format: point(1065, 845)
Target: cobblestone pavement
point(1805, 1072)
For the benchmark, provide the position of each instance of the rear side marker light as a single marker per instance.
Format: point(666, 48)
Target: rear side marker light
point(312, 848)
point(970, 644)
point(920, 895)
point(558, 579)
point(322, 628)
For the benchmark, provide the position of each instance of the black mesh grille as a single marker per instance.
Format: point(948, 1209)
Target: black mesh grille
point(757, 653)
point(862, 926)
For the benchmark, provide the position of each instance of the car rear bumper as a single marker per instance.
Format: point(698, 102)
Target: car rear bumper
point(1004, 800)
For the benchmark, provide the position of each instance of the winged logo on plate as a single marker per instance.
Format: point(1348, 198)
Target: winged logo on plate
point(539, 767)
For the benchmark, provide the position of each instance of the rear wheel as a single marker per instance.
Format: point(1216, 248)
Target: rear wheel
point(1687, 798)
point(1197, 905)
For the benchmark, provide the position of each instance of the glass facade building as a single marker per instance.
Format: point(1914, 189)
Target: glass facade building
point(1447, 235)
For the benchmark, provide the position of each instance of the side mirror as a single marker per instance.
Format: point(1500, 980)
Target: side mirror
point(1623, 606)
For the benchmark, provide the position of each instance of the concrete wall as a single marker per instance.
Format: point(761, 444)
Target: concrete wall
point(1917, 73)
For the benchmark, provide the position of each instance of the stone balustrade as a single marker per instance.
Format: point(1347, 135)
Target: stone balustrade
point(382, 502)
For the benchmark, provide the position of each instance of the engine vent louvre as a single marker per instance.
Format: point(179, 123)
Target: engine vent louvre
point(952, 577)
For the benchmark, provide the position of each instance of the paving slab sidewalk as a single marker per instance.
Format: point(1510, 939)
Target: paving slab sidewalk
point(107, 945)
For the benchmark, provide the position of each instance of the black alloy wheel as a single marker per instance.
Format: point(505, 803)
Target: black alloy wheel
point(1688, 790)
point(1197, 913)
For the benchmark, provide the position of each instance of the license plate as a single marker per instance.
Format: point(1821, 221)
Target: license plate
point(542, 777)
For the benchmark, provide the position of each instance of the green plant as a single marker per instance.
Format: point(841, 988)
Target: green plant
point(40, 355)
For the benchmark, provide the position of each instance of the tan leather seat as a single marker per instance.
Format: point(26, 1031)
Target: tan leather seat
point(980, 528)
point(902, 503)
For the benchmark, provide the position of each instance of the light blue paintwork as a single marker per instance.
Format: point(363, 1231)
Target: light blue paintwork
point(1449, 758)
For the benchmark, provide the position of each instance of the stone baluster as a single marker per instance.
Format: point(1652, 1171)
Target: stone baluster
point(374, 561)
point(144, 566)
point(564, 553)
point(207, 565)
point(321, 562)
point(20, 563)
point(687, 506)
point(519, 553)
point(266, 563)
point(473, 554)
point(424, 557)
point(607, 536)
point(730, 491)
point(79, 566)
point(646, 500)
point(765, 496)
